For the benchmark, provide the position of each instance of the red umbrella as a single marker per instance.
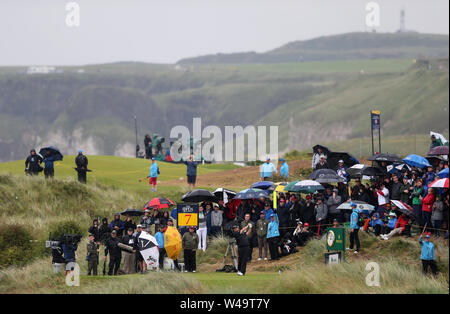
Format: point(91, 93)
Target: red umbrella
point(159, 202)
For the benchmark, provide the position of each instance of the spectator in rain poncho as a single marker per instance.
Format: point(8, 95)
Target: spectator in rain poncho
point(284, 169)
point(267, 170)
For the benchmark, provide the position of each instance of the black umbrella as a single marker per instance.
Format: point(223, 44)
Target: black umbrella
point(250, 194)
point(325, 149)
point(79, 169)
point(54, 152)
point(326, 176)
point(200, 195)
point(334, 157)
point(385, 157)
point(132, 212)
point(359, 170)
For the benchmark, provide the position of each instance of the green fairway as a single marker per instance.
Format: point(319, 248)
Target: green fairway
point(212, 282)
point(119, 172)
point(230, 282)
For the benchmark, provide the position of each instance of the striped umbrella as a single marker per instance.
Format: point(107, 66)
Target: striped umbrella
point(441, 183)
point(403, 207)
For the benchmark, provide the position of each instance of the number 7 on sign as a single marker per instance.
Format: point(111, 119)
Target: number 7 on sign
point(188, 218)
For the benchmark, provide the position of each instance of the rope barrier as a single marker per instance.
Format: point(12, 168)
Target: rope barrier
point(326, 225)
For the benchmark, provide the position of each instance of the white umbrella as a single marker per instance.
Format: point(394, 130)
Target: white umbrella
point(308, 186)
point(148, 246)
point(359, 204)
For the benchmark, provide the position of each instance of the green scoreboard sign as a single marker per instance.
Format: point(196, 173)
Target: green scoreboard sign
point(336, 239)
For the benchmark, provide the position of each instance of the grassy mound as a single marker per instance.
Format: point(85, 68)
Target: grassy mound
point(32, 207)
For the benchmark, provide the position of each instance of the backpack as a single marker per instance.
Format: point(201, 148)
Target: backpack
point(360, 221)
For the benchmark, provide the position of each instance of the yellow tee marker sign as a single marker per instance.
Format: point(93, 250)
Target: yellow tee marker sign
point(185, 220)
point(187, 215)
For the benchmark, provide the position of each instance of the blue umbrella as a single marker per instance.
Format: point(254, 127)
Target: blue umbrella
point(443, 173)
point(416, 161)
point(263, 185)
point(249, 194)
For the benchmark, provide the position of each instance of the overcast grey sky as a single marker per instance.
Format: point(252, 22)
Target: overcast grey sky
point(164, 31)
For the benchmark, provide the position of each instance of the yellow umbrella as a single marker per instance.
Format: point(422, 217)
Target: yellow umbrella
point(279, 188)
point(172, 242)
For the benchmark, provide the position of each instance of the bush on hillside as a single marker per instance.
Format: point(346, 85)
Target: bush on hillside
point(295, 155)
point(57, 229)
point(16, 247)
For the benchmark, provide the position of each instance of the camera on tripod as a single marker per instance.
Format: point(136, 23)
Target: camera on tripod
point(68, 239)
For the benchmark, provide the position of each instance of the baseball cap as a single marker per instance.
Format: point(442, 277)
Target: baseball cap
point(262, 212)
point(282, 159)
point(114, 232)
point(130, 229)
point(153, 158)
point(147, 210)
point(235, 226)
point(139, 226)
point(353, 204)
point(340, 160)
point(306, 224)
point(80, 150)
point(267, 158)
point(272, 215)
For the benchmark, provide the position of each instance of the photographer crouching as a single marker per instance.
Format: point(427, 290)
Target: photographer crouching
point(243, 248)
point(63, 251)
point(69, 244)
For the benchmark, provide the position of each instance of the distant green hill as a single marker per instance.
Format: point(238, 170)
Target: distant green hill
point(341, 47)
point(413, 102)
point(93, 107)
